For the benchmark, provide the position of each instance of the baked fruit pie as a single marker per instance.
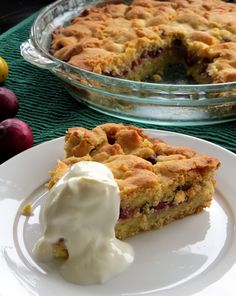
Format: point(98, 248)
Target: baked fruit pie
point(158, 183)
point(137, 41)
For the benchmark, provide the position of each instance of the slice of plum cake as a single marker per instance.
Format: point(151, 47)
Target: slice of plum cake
point(158, 183)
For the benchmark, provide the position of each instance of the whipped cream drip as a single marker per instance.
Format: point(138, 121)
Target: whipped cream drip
point(83, 208)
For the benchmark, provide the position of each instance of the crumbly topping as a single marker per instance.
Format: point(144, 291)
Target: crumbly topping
point(109, 37)
point(131, 167)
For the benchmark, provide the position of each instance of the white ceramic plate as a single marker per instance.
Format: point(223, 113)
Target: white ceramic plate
point(193, 256)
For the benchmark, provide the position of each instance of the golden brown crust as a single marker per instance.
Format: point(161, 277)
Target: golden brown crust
point(112, 37)
point(137, 162)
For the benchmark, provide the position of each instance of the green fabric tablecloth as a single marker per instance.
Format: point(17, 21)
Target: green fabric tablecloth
point(50, 110)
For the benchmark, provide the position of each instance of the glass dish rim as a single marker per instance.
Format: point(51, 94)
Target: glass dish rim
point(173, 88)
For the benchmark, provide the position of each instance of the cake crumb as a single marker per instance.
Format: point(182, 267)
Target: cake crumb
point(156, 78)
point(180, 196)
point(27, 210)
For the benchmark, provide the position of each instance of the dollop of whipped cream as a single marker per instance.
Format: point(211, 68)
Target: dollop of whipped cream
point(83, 208)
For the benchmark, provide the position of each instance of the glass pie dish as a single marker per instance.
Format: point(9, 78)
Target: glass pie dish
point(175, 102)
